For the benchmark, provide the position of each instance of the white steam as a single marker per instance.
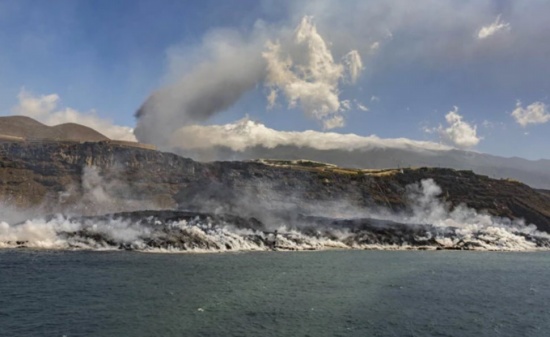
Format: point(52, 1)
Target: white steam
point(297, 65)
point(193, 236)
point(44, 108)
point(98, 193)
point(451, 228)
point(479, 228)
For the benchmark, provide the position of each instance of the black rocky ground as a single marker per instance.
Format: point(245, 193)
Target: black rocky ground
point(167, 233)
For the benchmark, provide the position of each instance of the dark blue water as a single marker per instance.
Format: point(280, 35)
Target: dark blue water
point(330, 293)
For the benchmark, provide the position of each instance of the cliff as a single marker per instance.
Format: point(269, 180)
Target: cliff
point(99, 177)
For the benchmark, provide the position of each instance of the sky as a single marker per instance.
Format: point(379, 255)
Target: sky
point(468, 74)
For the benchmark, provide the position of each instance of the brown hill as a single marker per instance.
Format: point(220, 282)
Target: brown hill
point(30, 129)
point(26, 127)
point(77, 132)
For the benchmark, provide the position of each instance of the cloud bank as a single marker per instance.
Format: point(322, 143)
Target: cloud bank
point(245, 134)
point(44, 108)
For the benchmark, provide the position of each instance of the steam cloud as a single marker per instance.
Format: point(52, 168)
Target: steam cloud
point(430, 223)
point(298, 64)
point(101, 194)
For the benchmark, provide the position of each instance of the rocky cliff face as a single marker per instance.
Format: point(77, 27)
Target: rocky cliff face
point(102, 177)
point(64, 175)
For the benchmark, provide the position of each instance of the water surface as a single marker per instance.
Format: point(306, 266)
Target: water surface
point(328, 293)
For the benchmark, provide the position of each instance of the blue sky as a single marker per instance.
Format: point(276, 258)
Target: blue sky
point(419, 62)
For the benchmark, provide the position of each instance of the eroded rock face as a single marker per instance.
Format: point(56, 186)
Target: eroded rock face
point(102, 177)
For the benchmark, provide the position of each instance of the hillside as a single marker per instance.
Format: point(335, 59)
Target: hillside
point(30, 129)
point(535, 173)
point(101, 177)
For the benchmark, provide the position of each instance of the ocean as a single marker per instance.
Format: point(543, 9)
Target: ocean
point(322, 293)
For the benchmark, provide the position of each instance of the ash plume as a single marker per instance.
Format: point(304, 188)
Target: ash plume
point(296, 64)
point(232, 67)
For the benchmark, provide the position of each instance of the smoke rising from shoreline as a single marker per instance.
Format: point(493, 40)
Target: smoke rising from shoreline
point(430, 223)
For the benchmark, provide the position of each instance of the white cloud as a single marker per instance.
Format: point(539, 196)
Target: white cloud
point(44, 108)
point(374, 47)
point(245, 134)
point(304, 70)
point(354, 65)
point(334, 122)
point(535, 113)
point(361, 106)
point(488, 124)
point(493, 28)
point(271, 99)
point(459, 133)
point(345, 105)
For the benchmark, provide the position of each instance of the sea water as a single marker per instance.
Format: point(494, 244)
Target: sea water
point(324, 293)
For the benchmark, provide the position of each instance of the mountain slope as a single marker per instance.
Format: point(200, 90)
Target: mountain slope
point(533, 173)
